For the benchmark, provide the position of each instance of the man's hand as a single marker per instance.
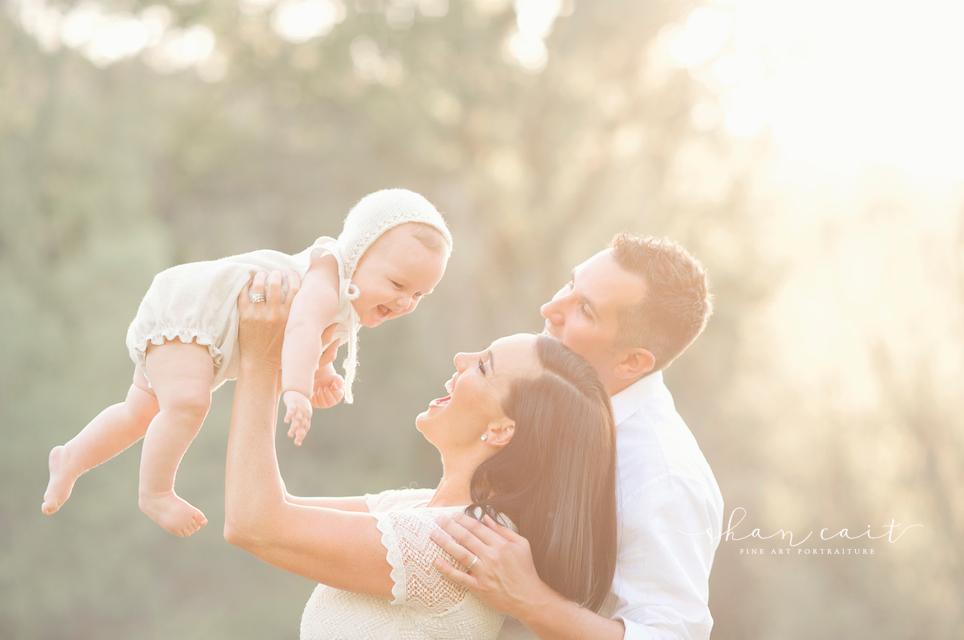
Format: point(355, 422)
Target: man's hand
point(504, 577)
point(298, 415)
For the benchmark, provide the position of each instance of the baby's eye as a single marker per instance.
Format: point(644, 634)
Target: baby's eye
point(482, 365)
point(584, 310)
point(397, 285)
point(418, 295)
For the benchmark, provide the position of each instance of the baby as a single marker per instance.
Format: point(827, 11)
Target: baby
point(392, 251)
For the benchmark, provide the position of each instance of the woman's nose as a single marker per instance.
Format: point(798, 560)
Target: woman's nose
point(463, 360)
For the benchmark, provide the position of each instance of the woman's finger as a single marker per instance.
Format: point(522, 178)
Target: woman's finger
point(244, 298)
point(294, 284)
point(257, 286)
point(273, 288)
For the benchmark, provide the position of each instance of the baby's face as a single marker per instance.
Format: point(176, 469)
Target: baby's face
point(394, 274)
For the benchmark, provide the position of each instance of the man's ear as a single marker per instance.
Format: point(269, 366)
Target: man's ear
point(634, 362)
point(500, 432)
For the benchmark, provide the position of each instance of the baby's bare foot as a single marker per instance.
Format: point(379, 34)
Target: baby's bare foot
point(63, 475)
point(172, 513)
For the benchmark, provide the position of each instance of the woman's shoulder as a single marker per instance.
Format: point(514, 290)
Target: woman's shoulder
point(398, 499)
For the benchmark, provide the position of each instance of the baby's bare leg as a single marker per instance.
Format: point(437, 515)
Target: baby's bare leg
point(181, 375)
point(113, 430)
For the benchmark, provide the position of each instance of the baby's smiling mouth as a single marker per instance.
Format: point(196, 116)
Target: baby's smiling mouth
point(383, 311)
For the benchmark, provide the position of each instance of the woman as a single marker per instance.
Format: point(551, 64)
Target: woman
point(526, 435)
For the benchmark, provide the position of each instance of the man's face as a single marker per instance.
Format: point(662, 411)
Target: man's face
point(584, 314)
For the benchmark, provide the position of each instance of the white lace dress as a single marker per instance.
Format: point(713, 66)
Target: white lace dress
point(425, 604)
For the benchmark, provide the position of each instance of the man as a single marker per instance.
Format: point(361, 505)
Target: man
point(630, 310)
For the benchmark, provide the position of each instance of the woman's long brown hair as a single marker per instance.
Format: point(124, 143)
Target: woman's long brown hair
point(556, 478)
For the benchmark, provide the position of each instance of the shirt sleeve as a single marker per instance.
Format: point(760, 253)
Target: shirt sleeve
point(412, 554)
point(662, 578)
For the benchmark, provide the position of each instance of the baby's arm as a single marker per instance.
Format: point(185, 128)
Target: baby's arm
point(312, 311)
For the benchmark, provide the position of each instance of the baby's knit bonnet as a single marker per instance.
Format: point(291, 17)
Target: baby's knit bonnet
point(375, 214)
point(379, 212)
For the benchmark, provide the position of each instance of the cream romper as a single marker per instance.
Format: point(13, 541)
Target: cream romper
point(199, 301)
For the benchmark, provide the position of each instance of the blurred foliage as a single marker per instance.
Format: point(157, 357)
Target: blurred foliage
point(108, 175)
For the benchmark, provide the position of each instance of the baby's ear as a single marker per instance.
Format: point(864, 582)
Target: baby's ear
point(500, 432)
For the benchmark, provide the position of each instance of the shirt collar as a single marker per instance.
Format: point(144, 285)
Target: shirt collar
point(626, 402)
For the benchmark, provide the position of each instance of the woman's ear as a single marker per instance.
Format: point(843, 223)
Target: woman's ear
point(499, 432)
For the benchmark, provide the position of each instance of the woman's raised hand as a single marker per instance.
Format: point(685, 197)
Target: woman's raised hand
point(261, 333)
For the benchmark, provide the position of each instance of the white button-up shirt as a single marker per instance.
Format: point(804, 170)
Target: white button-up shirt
point(670, 519)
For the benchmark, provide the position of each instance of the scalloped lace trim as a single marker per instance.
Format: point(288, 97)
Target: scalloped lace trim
point(393, 555)
point(184, 335)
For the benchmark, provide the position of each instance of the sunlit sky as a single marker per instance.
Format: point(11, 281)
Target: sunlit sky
point(843, 81)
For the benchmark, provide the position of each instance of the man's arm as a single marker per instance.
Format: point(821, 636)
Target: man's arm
point(505, 578)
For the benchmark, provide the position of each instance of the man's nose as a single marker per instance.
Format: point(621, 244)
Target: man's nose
point(553, 310)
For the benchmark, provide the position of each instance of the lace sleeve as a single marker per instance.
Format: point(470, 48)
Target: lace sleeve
point(396, 499)
point(411, 553)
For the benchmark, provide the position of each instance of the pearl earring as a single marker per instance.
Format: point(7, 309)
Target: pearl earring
point(485, 437)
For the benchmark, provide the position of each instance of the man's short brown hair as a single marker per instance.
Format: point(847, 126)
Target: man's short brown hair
point(677, 303)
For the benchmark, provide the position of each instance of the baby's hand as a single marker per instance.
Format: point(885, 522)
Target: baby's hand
point(329, 390)
point(298, 415)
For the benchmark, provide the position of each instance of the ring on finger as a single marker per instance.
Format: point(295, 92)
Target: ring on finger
point(257, 297)
point(471, 564)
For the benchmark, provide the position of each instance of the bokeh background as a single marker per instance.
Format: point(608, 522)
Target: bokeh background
point(810, 153)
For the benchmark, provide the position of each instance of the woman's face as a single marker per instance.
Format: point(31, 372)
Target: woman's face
point(481, 381)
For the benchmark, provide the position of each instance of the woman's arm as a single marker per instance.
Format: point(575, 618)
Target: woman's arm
point(352, 503)
point(339, 548)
